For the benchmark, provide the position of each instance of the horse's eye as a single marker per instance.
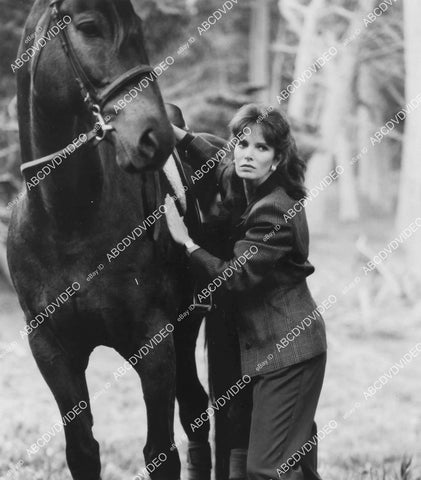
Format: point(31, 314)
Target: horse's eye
point(90, 29)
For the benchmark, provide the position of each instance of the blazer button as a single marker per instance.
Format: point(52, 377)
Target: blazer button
point(248, 346)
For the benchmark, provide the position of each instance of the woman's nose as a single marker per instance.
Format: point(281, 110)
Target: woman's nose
point(248, 155)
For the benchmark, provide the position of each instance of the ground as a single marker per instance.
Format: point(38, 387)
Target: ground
point(372, 433)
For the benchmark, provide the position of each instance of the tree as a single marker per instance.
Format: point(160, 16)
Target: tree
point(307, 49)
point(259, 48)
point(409, 206)
point(380, 95)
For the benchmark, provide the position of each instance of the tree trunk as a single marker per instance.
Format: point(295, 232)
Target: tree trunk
point(345, 105)
point(336, 131)
point(259, 48)
point(277, 64)
point(319, 165)
point(409, 206)
point(306, 54)
point(374, 167)
point(322, 162)
point(4, 268)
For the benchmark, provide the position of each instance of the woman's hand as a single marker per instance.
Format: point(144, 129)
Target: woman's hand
point(175, 223)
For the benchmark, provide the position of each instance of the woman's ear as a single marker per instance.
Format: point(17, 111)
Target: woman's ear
point(275, 164)
point(277, 160)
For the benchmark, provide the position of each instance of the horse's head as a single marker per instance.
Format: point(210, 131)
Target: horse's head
point(97, 46)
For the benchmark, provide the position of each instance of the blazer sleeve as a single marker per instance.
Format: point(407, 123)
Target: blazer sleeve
point(269, 245)
point(199, 151)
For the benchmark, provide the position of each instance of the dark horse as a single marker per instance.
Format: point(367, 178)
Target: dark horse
point(77, 211)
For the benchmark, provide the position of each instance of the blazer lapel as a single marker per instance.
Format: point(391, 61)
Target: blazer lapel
point(264, 189)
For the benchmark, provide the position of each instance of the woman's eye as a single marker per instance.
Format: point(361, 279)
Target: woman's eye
point(90, 29)
point(243, 144)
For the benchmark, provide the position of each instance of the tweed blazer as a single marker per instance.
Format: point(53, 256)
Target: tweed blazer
point(278, 322)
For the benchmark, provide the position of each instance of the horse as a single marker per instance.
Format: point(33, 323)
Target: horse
point(85, 212)
point(76, 210)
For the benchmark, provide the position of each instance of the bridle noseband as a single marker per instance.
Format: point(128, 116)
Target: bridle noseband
point(93, 98)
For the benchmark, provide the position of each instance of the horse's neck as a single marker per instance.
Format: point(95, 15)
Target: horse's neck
point(68, 191)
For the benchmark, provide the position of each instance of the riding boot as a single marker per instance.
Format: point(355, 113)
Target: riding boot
point(199, 463)
point(238, 464)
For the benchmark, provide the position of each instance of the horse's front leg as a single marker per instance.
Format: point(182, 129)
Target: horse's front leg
point(67, 382)
point(192, 401)
point(157, 372)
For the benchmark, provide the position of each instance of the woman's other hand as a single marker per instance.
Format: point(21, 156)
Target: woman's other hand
point(176, 226)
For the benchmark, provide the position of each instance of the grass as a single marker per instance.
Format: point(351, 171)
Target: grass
point(373, 441)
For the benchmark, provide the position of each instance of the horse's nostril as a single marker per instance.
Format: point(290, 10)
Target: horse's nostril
point(148, 144)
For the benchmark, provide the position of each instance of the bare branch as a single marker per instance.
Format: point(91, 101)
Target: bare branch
point(283, 48)
point(286, 10)
point(377, 54)
point(341, 11)
point(297, 6)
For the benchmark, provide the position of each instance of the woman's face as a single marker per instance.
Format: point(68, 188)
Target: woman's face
point(253, 157)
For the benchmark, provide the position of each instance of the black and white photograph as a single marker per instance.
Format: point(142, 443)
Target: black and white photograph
point(210, 240)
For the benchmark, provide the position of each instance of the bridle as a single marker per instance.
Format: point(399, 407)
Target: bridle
point(93, 98)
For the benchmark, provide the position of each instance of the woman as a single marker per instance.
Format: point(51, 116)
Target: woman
point(281, 333)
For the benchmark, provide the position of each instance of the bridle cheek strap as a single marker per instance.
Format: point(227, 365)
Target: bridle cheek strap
point(94, 99)
point(116, 85)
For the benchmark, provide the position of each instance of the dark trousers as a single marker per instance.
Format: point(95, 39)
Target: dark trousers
point(284, 406)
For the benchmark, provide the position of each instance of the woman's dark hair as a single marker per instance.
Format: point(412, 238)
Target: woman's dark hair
point(277, 133)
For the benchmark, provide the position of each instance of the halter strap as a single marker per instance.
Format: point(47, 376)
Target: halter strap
point(116, 85)
point(90, 136)
point(94, 99)
point(85, 85)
